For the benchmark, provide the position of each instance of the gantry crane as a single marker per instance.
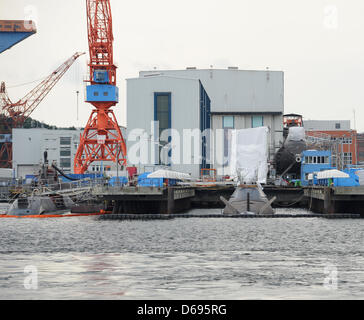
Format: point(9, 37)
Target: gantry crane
point(13, 115)
point(102, 139)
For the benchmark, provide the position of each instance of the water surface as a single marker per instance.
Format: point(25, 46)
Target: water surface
point(83, 258)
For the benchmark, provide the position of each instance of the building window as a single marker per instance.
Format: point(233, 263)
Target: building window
point(65, 141)
point(65, 152)
point(337, 125)
point(347, 158)
point(228, 122)
point(162, 115)
point(205, 123)
point(162, 111)
point(257, 121)
point(347, 140)
point(65, 163)
point(228, 125)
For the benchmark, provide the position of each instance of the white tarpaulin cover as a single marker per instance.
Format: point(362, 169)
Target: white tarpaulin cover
point(166, 174)
point(296, 134)
point(249, 154)
point(327, 174)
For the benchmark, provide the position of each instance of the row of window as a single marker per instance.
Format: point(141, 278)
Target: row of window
point(65, 141)
point(65, 152)
point(96, 94)
point(228, 122)
point(344, 140)
point(65, 163)
point(348, 158)
point(100, 168)
point(317, 160)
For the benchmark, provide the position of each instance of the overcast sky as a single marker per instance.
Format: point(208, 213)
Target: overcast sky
point(317, 43)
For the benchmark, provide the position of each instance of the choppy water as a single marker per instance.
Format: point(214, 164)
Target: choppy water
point(82, 258)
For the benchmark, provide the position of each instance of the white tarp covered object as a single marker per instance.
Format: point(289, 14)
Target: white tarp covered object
point(330, 174)
point(296, 134)
point(167, 174)
point(249, 154)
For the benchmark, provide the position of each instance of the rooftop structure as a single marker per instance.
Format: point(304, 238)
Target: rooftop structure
point(326, 125)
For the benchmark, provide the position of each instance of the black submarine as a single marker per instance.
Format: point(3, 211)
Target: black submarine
point(287, 160)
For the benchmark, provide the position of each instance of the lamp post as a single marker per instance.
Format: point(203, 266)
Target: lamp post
point(77, 92)
point(117, 165)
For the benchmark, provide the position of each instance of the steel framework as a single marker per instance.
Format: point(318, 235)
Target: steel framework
point(13, 115)
point(102, 139)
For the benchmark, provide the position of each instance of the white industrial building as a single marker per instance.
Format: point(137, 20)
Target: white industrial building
point(239, 99)
point(176, 103)
point(29, 146)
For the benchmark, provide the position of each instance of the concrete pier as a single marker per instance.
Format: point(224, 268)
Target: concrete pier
point(222, 216)
point(286, 197)
point(145, 200)
point(331, 200)
point(168, 200)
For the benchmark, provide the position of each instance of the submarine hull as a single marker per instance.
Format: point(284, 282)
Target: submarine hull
point(287, 155)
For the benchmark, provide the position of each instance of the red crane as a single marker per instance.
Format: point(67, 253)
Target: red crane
point(102, 139)
point(13, 115)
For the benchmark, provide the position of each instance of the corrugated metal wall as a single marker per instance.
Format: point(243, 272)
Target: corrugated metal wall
point(237, 90)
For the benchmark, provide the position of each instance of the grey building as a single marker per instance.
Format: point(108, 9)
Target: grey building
point(326, 125)
point(239, 99)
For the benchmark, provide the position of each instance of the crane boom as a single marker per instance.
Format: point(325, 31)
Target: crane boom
point(13, 115)
point(22, 109)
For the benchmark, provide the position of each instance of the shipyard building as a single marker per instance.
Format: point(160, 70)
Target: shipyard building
point(342, 139)
point(29, 146)
point(61, 146)
point(217, 99)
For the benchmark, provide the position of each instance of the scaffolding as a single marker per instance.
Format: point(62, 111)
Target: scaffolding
point(323, 141)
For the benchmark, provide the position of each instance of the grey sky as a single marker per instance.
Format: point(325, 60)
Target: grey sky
point(317, 43)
